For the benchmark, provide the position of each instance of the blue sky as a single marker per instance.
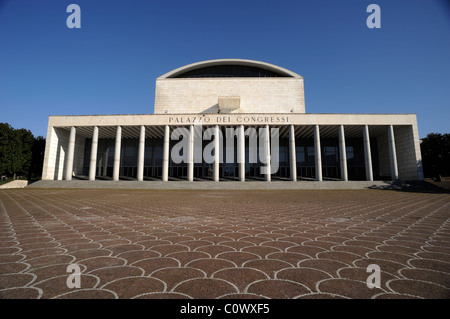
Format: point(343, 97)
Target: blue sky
point(109, 66)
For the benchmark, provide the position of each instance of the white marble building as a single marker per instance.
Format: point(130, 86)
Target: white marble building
point(246, 96)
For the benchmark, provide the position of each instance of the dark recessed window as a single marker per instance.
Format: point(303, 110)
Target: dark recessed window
point(229, 71)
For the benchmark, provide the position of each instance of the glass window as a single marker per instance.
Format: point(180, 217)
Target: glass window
point(311, 156)
point(284, 156)
point(350, 154)
point(129, 152)
point(331, 156)
point(300, 155)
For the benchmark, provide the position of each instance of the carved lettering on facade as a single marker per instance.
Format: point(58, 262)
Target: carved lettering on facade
point(227, 119)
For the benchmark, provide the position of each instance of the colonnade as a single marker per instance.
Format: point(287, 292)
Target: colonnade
point(240, 155)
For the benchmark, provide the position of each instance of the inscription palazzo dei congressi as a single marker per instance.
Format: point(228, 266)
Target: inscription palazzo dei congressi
point(247, 119)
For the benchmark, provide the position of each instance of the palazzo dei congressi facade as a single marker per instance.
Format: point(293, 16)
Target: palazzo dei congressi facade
point(253, 113)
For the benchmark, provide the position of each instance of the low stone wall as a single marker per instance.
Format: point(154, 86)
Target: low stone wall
point(15, 184)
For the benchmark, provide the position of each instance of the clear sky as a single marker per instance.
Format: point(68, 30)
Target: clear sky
point(109, 66)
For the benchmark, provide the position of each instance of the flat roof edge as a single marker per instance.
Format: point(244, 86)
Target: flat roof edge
point(233, 114)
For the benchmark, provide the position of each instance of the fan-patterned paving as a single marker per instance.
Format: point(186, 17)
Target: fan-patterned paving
point(224, 244)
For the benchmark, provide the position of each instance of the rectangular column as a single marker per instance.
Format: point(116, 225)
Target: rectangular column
point(165, 168)
point(408, 157)
point(241, 153)
point(117, 150)
point(267, 153)
point(292, 153)
point(343, 153)
point(367, 153)
point(190, 176)
point(216, 153)
point(318, 153)
point(392, 153)
point(70, 154)
point(93, 161)
point(141, 153)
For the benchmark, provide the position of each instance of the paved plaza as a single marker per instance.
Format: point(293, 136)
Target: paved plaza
point(224, 243)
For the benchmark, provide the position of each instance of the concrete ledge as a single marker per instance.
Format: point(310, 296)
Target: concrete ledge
point(207, 185)
point(15, 184)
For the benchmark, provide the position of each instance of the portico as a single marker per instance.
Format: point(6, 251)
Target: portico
point(362, 147)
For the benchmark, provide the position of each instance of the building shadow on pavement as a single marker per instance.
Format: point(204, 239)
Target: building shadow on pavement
point(411, 187)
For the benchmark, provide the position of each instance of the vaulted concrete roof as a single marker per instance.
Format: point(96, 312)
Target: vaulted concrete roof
point(244, 62)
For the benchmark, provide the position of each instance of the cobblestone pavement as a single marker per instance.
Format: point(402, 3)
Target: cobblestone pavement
point(223, 244)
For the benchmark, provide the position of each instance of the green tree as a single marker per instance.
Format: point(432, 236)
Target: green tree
point(435, 150)
point(37, 158)
point(17, 149)
point(7, 138)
